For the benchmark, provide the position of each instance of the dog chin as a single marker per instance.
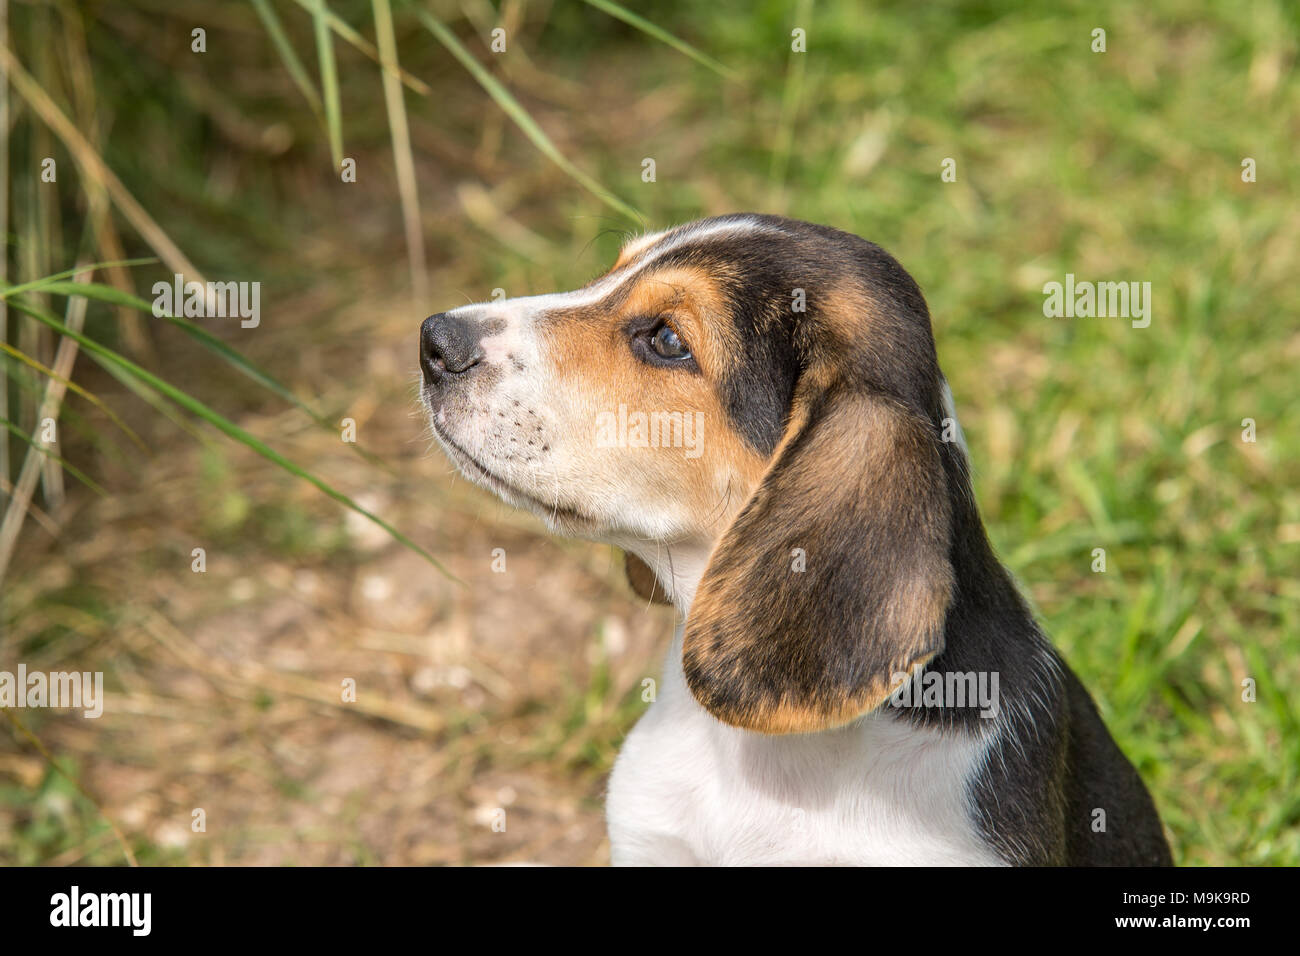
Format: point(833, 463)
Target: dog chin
point(559, 519)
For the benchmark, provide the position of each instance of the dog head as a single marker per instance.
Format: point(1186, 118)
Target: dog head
point(763, 388)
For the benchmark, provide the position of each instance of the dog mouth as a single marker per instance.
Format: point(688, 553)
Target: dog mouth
point(479, 474)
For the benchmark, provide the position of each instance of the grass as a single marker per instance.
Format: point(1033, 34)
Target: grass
point(1084, 433)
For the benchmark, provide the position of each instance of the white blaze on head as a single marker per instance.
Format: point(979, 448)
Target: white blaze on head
point(521, 313)
point(635, 246)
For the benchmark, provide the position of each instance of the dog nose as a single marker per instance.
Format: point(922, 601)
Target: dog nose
point(449, 345)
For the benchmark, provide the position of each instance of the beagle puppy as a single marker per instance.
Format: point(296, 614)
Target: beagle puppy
point(752, 409)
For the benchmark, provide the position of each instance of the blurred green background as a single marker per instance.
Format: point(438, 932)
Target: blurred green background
point(522, 169)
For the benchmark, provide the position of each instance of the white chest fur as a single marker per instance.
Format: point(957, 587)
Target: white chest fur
point(687, 790)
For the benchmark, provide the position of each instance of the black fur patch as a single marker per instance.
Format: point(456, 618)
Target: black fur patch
point(1051, 761)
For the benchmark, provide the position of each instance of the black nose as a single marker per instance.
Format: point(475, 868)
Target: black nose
point(449, 345)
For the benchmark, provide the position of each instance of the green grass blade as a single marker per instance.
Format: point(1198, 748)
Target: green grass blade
point(403, 160)
point(75, 389)
point(511, 107)
point(663, 36)
point(92, 432)
point(297, 71)
point(53, 457)
point(790, 98)
point(36, 284)
point(153, 400)
point(357, 41)
point(329, 81)
point(115, 296)
point(225, 426)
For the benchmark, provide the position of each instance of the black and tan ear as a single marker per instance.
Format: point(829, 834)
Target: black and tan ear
point(834, 578)
point(643, 580)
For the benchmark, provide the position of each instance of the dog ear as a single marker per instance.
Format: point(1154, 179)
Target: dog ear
point(835, 577)
point(643, 580)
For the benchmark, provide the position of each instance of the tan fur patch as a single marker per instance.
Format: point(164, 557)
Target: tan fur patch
point(599, 368)
point(857, 486)
point(787, 717)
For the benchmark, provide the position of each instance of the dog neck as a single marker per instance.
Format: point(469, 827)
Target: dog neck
point(678, 566)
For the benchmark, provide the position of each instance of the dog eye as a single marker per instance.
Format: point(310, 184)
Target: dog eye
point(668, 344)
